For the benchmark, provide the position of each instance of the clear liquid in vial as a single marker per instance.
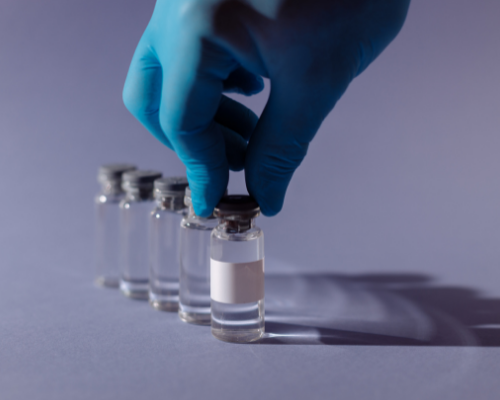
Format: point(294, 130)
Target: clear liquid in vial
point(238, 323)
point(107, 240)
point(164, 259)
point(243, 322)
point(134, 281)
point(194, 299)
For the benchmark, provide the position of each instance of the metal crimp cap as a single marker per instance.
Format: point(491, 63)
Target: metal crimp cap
point(113, 172)
point(171, 186)
point(237, 207)
point(140, 179)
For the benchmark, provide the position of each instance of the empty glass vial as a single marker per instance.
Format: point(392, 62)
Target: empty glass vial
point(194, 299)
point(134, 212)
point(107, 260)
point(237, 271)
point(165, 222)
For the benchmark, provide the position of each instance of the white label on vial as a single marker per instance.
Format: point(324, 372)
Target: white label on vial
point(236, 283)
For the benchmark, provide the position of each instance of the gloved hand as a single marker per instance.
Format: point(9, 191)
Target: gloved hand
point(194, 50)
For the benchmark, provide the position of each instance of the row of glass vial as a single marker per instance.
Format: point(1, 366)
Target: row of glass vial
point(152, 245)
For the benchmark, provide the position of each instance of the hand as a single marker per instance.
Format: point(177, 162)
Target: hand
point(194, 50)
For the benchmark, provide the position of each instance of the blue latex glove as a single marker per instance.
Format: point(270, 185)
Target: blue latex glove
point(194, 50)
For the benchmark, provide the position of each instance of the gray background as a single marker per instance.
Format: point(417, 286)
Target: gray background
point(383, 268)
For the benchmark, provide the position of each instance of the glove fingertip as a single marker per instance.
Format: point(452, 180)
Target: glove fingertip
point(257, 86)
point(270, 211)
point(269, 198)
point(206, 193)
point(202, 209)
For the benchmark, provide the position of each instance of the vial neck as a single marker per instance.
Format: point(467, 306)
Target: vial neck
point(139, 194)
point(174, 203)
point(237, 226)
point(191, 213)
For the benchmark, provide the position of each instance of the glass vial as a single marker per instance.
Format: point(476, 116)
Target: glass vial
point(237, 271)
point(134, 212)
point(165, 222)
point(194, 299)
point(107, 253)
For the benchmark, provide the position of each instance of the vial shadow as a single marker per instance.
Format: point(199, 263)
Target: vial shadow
point(377, 309)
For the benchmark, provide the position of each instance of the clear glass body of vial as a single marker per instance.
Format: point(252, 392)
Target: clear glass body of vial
point(237, 271)
point(107, 253)
point(134, 212)
point(194, 284)
point(165, 221)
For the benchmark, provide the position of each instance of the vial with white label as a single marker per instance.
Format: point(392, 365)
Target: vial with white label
point(237, 271)
point(134, 218)
point(165, 222)
point(194, 289)
point(107, 260)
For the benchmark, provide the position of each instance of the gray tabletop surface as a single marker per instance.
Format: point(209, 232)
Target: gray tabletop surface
point(383, 276)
